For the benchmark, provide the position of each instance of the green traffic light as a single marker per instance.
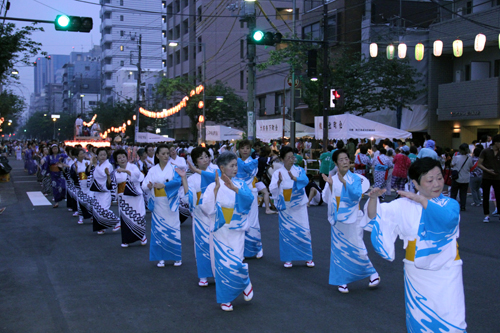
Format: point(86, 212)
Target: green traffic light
point(258, 35)
point(62, 21)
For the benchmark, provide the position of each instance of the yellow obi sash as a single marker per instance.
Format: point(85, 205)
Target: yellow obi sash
point(121, 187)
point(54, 168)
point(228, 214)
point(410, 251)
point(160, 192)
point(287, 194)
point(255, 181)
point(198, 196)
point(338, 202)
point(82, 176)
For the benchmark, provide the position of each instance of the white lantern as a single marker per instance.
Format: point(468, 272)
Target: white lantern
point(479, 42)
point(458, 48)
point(438, 48)
point(373, 50)
point(402, 51)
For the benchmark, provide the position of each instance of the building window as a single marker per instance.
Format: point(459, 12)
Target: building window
point(164, 19)
point(177, 6)
point(496, 68)
point(185, 3)
point(87, 68)
point(200, 45)
point(122, 33)
point(177, 32)
point(185, 51)
point(122, 63)
point(170, 34)
point(285, 14)
point(311, 31)
point(122, 48)
point(262, 105)
point(332, 28)
point(169, 11)
point(121, 17)
point(169, 60)
point(467, 72)
point(199, 14)
point(200, 73)
point(185, 26)
point(311, 4)
point(242, 80)
point(177, 57)
point(242, 24)
point(121, 2)
point(242, 48)
point(278, 103)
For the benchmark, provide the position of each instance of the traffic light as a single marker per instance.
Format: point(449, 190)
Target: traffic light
point(312, 63)
point(259, 37)
point(73, 23)
point(336, 98)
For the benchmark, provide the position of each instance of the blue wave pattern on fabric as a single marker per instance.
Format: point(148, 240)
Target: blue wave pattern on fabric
point(377, 238)
point(347, 261)
point(295, 240)
point(350, 197)
point(202, 248)
point(207, 178)
point(253, 244)
point(242, 205)
point(298, 191)
point(437, 231)
point(247, 171)
point(172, 191)
point(165, 241)
point(420, 317)
point(231, 275)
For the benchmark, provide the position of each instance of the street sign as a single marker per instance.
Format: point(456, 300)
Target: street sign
point(289, 81)
point(55, 116)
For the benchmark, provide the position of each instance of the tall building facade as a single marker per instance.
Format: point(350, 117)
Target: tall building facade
point(125, 23)
point(45, 70)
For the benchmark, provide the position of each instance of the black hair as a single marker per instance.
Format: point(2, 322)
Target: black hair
point(336, 154)
point(265, 151)
point(141, 152)
point(382, 150)
point(101, 149)
point(330, 148)
point(285, 150)
point(496, 138)
point(310, 177)
point(363, 149)
point(74, 151)
point(161, 146)
point(295, 151)
point(413, 150)
point(463, 149)
point(197, 153)
point(244, 143)
point(423, 166)
point(118, 152)
point(340, 144)
point(148, 146)
point(478, 150)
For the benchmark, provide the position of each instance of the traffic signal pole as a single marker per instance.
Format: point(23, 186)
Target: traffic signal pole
point(138, 101)
point(292, 95)
point(326, 99)
point(251, 51)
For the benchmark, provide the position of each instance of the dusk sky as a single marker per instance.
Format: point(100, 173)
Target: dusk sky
point(54, 42)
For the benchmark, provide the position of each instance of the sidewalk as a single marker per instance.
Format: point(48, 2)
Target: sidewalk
point(7, 193)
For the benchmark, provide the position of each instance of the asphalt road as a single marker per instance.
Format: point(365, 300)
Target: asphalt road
point(58, 276)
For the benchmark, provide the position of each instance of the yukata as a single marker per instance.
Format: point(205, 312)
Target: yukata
point(164, 204)
point(46, 181)
point(201, 222)
point(102, 215)
point(132, 210)
point(247, 170)
point(83, 195)
point(19, 153)
point(56, 176)
point(71, 185)
point(362, 162)
point(295, 233)
point(349, 260)
point(29, 163)
point(382, 165)
point(228, 213)
point(434, 291)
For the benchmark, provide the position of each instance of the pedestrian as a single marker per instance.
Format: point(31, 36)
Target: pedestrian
point(287, 184)
point(401, 165)
point(227, 202)
point(349, 260)
point(489, 162)
point(460, 166)
point(313, 192)
point(362, 162)
point(54, 167)
point(381, 165)
point(162, 185)
point(428, 223)
point(84, 197)
point(476, 177)
point(127, 178)
point(203, 175)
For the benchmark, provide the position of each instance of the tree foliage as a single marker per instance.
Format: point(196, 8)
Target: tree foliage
point(17, 48)
point(42, 127)
point(230, 112)
point(11, 107)
point(369, 85)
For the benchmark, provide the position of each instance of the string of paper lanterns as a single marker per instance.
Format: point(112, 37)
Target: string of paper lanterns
point(173, 110)
point(122, 128)
point(91, 121)
point(437, 48)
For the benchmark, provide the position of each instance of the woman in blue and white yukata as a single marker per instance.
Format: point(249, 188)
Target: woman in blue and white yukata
point(204, 175)
point(227, 202)
point(428, 224)
point(349, 260)
point(162, 187)
point(287, 186)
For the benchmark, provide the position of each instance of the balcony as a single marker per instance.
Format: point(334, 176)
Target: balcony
point(105, 9)
point(477, 99)
point(107, 38)
point(107, 53)
point(107, 23)
point(107, 68)
point(108, 84)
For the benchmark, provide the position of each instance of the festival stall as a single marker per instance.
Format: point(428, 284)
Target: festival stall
point(272, 129)
point(146, 137)
point(348, 126)
point(222, 133)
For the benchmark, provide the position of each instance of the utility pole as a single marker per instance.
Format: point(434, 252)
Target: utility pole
point(292, 95)
point(251, 22)
point(137, 101)
point(326, 94)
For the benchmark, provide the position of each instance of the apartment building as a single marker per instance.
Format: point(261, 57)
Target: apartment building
point(125, 24)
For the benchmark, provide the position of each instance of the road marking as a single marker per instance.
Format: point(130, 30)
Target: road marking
point(38, 199)
point(25, 181)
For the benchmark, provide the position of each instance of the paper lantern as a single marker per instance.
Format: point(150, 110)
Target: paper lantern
point(419, 51)
point(129, 122)
point(402, 51)
point(390, 51)
point(374, 49)
point(438, 48)
point(479, 42)
point(458, 48)
point(134, 117)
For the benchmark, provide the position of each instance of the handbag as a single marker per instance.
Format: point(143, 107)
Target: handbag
point(455, 173)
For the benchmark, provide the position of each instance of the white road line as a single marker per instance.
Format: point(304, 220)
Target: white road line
point(38, 199)
point(25, 181)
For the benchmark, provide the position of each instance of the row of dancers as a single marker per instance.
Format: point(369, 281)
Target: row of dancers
point(222, 200)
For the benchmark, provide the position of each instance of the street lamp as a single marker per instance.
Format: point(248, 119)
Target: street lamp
point(174, 43)
point(81, 104)
point(54, 119)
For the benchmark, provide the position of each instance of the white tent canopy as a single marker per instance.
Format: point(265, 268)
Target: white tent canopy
point(223, 133)
point(348, 126)
point(272, 129)
point(151, 137)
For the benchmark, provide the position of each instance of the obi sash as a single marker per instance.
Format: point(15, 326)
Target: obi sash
point(54, 168)
point(411, 248)
point(254, 182)
point(382, 167)
point(228, 214)
point(121, 187)
point(359, 166)
point(82, 176)
point(198, 196)
point(160, 192)
point(287, 194)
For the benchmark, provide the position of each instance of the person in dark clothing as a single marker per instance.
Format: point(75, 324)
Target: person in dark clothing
point(313, 192)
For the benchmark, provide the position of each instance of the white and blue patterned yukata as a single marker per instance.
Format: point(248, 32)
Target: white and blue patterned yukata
point(295, 234)
point(349, 260)
point(247, 170)
point(228, 221)
point(165, 223)
point(434, 290)
point(201, 222)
